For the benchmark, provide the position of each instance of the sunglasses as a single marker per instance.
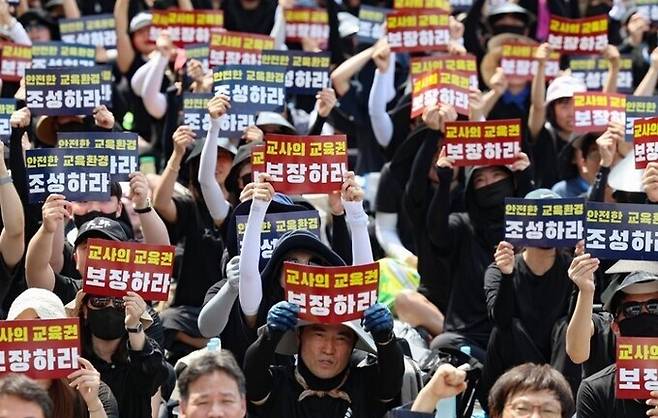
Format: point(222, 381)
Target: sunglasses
point(100, 302)
point(633, 309)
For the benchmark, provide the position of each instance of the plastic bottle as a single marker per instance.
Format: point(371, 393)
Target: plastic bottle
point(215, 344)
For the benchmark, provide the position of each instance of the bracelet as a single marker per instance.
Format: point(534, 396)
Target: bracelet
point(6, 180)
point(146, 209)
point(387, 342)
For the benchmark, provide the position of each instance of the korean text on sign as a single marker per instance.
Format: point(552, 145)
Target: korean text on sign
point(578, 36)
point(14, 60)
point(622, 231)
point(593, 111)
point(637, 367)
point(418, 30)
point(228, 48)
point(60, 54)
point(638, 107)
point(371, 23)
point(460, 64)
point(645, 142)
point(195, 112)
point(186, 27)
point(331, 295)
point(648, 8)
point(7, 107)
point(495, 142)
point(593, 72)
point(114, 268)
point(66, 91)
point(305, 164)
point(307, 72)
point(79, 174)
point(518, 62)
point(40, 348)
point(199, 52)
point(97, 30)
point(303, 22)
point(120, 146)
point(450, 88)
point(422, 4)
point(544, 222)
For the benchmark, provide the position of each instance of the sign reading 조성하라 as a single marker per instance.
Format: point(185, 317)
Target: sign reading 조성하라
point(195, 112)
point(96, 30)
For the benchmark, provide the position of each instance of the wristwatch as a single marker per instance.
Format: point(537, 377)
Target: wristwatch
point(139, 328)
point(145, 209)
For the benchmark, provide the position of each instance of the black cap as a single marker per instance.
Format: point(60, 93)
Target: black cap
point(101, 227)
point(635, 277)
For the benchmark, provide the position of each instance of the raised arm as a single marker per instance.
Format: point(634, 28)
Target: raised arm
point(537, 114)
point(153, 229)
point(382, 92)
point(71, 9)
point(278, 31)
point(12, 238)
point(16, 30)
point(648, 83)
point(388, 238)
point(498, 285)
point(341, 76)
point(357, 220)
point(125, 51)
point(155, 102)
point(614, 63)
point(215, 314)
point(581, 327)
point(138, 80)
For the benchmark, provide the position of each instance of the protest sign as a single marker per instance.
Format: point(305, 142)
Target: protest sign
point(7, 107)
point(639, 107)
point(645, 142)
point(113, 268)
point(648, 9)
point(593, 111)
point(461, 64)
point(14, 60)
point(637, 367)
point(331, 295)
point(593, 72)
point(450, 88)
point(307, 72)
point(96, 30)
point(544, 222)
point(305, 22)
point(195, 112)
point(622, 231)
point(40, 348)
point(418, 30)
point(228, 48)
point(199, 52)
point(371, 23)
point(578, 36)
point(518, 62)
point(493, 142)
point(121, 147)
point(185, 26)
point(60, 54)
point(459, 6)
point(275, 225)
point(304, 164)
point(78, 174)
point(444, 5)
point(66, 91)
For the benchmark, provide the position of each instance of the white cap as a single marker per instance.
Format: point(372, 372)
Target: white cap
point(45, 303)
point(564, 86)
point(625, 177)
point(348, 24)
point(141, 20)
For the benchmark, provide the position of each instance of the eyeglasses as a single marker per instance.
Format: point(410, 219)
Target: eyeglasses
point(525, 410)
point(633, 309)
point(100, 302)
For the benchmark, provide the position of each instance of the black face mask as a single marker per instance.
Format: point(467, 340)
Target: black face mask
point(80, 220)
point(493, 195)
point(107, 323)
point(518, 30)
point(643, 325)
point(71, 127)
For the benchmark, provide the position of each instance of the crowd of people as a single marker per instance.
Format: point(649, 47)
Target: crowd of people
point(473, 326)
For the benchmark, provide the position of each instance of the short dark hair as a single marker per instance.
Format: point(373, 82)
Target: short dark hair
point(208, 363)
point(530, 377)
point(27, 390)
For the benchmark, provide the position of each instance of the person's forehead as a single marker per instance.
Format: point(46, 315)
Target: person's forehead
point(299, 254)
point(334, 329)
point(484, 171)
point(642, 297)
point(214, 383)
point(534, 396)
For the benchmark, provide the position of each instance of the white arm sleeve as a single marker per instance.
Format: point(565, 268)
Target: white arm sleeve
point(137, 82)
point(357, 221)
point(18, 33)
point(382, 92)
point(387, 236)
point(215, 314)
point(251, 292)
point(279, 29)
point(211, 191)
point(154, 101)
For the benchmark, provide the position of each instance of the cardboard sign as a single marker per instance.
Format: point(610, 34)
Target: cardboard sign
point(7, 107)
point(494, 142)
point(14, 60)
point(199, 52)
point(275, 225)
point(96, 30)
point(645, 142)
point(195, 112)
point(578, 36)
point(648, 8)
point(622, 231)
point(544, 222)
point(449, 88)
point(462, 64)
point(422, 4)
point(78, 174)
point(66, 91)
point(60, 54)
point(120, 146)
point(305, 22)
point(304, 164)
point(228, 48)
point(114, 268)
point(637, 367)
point(418, 30)
point(371, 23)
point(186, 26)
point(593, 111)
point(40, 348)
point(307, 72)
point(518, 62)
point(331, 295)
point(639, 107)
point(593, 72)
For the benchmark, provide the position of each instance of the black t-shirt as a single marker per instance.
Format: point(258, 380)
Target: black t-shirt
point(601, 346)
point(66, 287)
point(596, 398)
point(551, 159)
point(390, 194)
point(259, 20)
point(12, 284)
point(201, 265)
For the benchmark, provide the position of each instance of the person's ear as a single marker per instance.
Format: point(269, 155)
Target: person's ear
point(614, 326)
point(182, 407)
